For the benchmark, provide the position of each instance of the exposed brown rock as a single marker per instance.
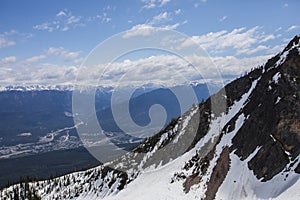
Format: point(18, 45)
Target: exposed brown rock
point(190, 181)
point(200, 169)
point(219, 173)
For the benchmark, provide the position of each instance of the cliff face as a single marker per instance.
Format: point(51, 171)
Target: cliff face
point(274, 117)
point(263, 135)
point(249, 150)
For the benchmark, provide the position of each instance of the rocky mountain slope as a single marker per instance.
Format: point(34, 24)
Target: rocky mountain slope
point(246, 148)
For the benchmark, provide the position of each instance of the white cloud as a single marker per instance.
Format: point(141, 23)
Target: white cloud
point(197, 4)
point(63, 21)
point(148, 4)
point(139, 30)
point(109, 7)
point(174, 26)
point(72, 19)
point(241, 40)
point(104, 18)
point(61, 13)
point(70, 55)
point(35, 59)
point(223, 18)
point(54, 50)
point(32, 74)
point(267, 38)
point(5, 41)
point(293, 27)
point(150, 27)
point(157, 69)
point(253, 50)
point(62, 52)
point(164, 2)
point(278, 29)
point(285, 5)
point(147, 29)
point(44, 27)
point(160, 18)
point(8, 60)
point(231, 65)
point(78, 60)
point(178, 11)
point(65, 28)
point(59, 54)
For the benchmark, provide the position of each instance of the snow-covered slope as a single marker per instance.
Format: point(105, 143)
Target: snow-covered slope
point(247, 150)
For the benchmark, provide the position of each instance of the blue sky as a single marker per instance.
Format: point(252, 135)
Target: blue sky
point(51, 36)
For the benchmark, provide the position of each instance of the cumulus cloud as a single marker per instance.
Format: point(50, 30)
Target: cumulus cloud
point(240, 40)
point(163, 69)
point(32, 74)
point(166, 70)
point(233, 66)
point(140, 29)
point(36, 70)
point(161, 20)
point(147, 29)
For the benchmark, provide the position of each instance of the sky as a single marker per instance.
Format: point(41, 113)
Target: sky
point(45, 42)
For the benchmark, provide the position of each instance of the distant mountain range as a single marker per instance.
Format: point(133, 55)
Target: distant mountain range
point(41, 116)
point(38, 120)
